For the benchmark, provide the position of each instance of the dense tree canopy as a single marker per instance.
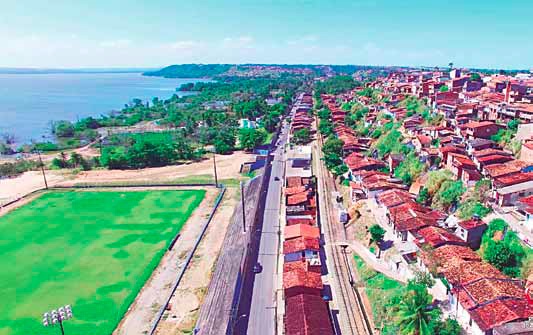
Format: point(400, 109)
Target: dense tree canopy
point(249, 138)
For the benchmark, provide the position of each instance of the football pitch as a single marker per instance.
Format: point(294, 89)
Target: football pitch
point(92, 250)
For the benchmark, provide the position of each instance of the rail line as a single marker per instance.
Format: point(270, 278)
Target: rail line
point(357, 320)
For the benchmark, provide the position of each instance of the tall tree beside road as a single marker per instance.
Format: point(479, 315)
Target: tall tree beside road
point(332, 150)
point(249, 138)
point(376, 235)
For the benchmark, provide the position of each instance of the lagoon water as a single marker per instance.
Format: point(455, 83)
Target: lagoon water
point(29, 102)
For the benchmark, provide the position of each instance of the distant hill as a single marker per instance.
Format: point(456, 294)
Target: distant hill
point(10, 70)
point(190, 71)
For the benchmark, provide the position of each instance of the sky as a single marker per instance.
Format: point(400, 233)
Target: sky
point(140, 33)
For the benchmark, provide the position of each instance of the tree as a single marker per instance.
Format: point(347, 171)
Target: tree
point(326, 127)
point(376, 235)
point(332, 150)
point(249, 138)
point(63, 129)
point(423, 196)
point(447, 327)
point(475, 77)
point(504, 257)
point(444, 88)
point(409, 169)
point(448, 194)
point(507, 255)
point(415, 313)
point(302, 136)
point(435, 180)
point(224, 142)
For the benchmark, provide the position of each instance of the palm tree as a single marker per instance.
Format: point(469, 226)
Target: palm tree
point(415, 313)
point(450, 64)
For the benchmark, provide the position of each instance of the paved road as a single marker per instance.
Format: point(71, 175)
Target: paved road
point(262, 317)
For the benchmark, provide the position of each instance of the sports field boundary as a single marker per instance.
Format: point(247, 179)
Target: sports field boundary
point(106, 185)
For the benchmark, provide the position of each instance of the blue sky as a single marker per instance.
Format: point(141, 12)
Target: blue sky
point(113, 33)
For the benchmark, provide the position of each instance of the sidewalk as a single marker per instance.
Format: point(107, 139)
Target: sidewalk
point(379, 265)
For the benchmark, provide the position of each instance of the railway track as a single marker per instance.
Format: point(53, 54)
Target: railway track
point(349, 300)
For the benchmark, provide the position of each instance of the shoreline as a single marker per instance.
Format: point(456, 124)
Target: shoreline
point(65, 98)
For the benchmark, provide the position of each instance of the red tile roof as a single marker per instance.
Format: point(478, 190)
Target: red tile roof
point(502, 169)
point(436, 236)
point(471, 224)
point(307, 314)
point(298, 199)
point(513, 179)
point(295, 190)
point(294, 181)
point(301, 278)
point(301, 230)
point(463, 271)
point(301, 220)
point(301, 244)
point(395, 197)
point(499, 312)
point(488, 289)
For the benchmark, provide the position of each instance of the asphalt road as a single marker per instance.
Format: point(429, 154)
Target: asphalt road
point(262, 317)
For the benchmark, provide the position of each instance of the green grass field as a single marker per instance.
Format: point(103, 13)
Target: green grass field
point(93, 250)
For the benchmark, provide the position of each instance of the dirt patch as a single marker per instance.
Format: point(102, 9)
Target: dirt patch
point(227, 167)
point(13, 188)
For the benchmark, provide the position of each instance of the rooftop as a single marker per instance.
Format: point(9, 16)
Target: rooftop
point(307, 314)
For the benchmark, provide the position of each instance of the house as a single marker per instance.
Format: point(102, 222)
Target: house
point(508, 189)
point(301, 230)
point(305, 265)
point(482, 129)
point(436, 237)
point(507, 168)
point(421, 142)
point(487, 303)
point(357, 162)
point(471, 231)
point(479, 144)
point(525, 207)
point(298, 281)
point(307, 314)
point(301, 248)
point(526, 153)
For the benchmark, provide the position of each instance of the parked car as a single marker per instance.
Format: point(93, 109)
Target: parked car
point(257, 268)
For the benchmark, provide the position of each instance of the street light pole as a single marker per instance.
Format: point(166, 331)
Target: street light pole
point(243, 209)
point(215, 167)
point(54, 317)
point(42, 169)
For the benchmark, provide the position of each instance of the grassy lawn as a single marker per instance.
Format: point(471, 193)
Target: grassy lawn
point(92, 250)
point(382, 292)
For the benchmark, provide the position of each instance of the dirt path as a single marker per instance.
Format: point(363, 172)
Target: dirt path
point(181, 317)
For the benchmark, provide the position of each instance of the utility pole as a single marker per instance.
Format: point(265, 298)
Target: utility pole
point(215, 167)
point(42, 169)
point(243, 209)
